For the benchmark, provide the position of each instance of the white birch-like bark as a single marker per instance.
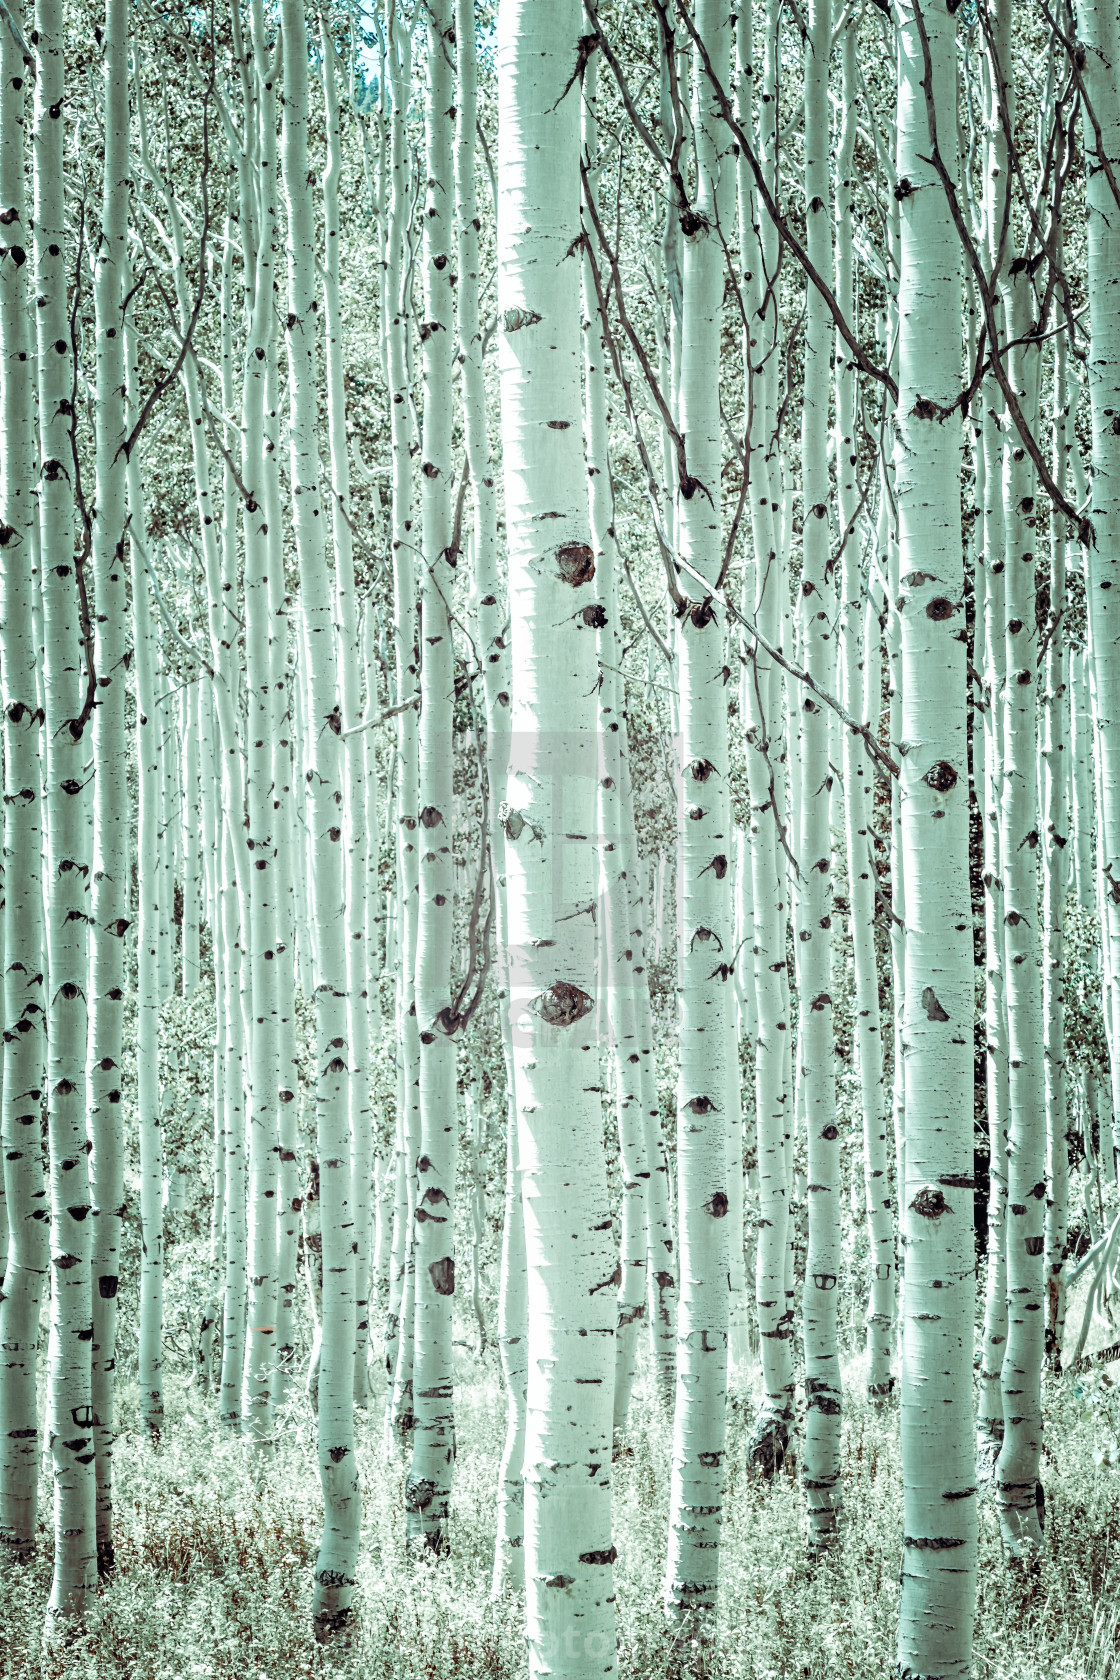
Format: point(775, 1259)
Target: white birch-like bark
point(990, 616)
point(24, 998)
point(708, 1082)
point(617, 958)
point(350, 685)
point(66, 810)
point(937, 1007)
point(1017, 1468)
point(190, 726)
point(760, 705)
point(1081, 778)
point(859, 773)
point(400, 1340)
point(428, 1488)
point(111, 825)
point(376, 1024)
point(493, 650)
point(210, 829)
point(337, 1560)
point(549, 818)
point(813, 945)
point(259, 888)
point(149, 777)
point(1054, 824)
point(1100, 30)
point(235, 1281)
point(283, 791)
point(990, 585)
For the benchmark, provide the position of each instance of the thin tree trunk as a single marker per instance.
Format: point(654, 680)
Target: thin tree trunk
point(617, 957)
point(760, 705)
point(937, 1006)
point(1017, 1469)
point(428, 1489)
point(259, 936)
point(859, 773)
point(493, 651)
point(67, 808)
point(400, 1343)
point(110, 882)
point(350, 684)
point(814, 899)
point(708, 1081)
point(25, 1000)
point(149, 1115)
point(1054, 821)
point(1101, 33)
point(337, 1561)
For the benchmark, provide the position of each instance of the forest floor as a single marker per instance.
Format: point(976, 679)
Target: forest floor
point(213, 1577)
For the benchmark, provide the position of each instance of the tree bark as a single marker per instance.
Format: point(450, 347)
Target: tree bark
point(549, 818)
point(937, 1007)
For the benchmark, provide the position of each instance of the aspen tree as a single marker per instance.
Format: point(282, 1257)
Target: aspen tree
point(549, 817)
point(1018, 1465)
point(1054, 825)
point(24, 999)
point(149, 1116)
point(1081, 804)
point(939, 1493)
point(493, 651)
point(258, 889)
point(615, 820)
point(814, 895)
point(400, 1340)
point(708, 1077)
point(109, 896)
point(335, 1568)
point(283, 777)
point(859, 773)
point(235, 1281)
point(1100, 31)
point(428, 1487)
point(210, 829)
point(761, 698)
point(66, 801)
point(193, 886)
point(990, 585)
point(350, 681)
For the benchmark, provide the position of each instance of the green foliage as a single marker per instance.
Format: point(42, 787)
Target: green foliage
point(214, 1565)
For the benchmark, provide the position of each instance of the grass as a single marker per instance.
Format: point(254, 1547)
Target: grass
point(213, 1577)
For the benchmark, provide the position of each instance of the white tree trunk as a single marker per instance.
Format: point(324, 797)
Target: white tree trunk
point(549, 819)
point(937, 1007)
point(813, 945)
point(350, 678)
point(1018, 1465)
point(24, 999)
point(761, 709)
point(111, 853)
point(1054, 822)
point(400, 1341)
point(261, 554)
point(493, 650)
point(708, 1083)
point(66, 810)
point(337, 1560)
point(859, 773)
point(617, 955)
point(428, 1489)
point(1101, 32)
